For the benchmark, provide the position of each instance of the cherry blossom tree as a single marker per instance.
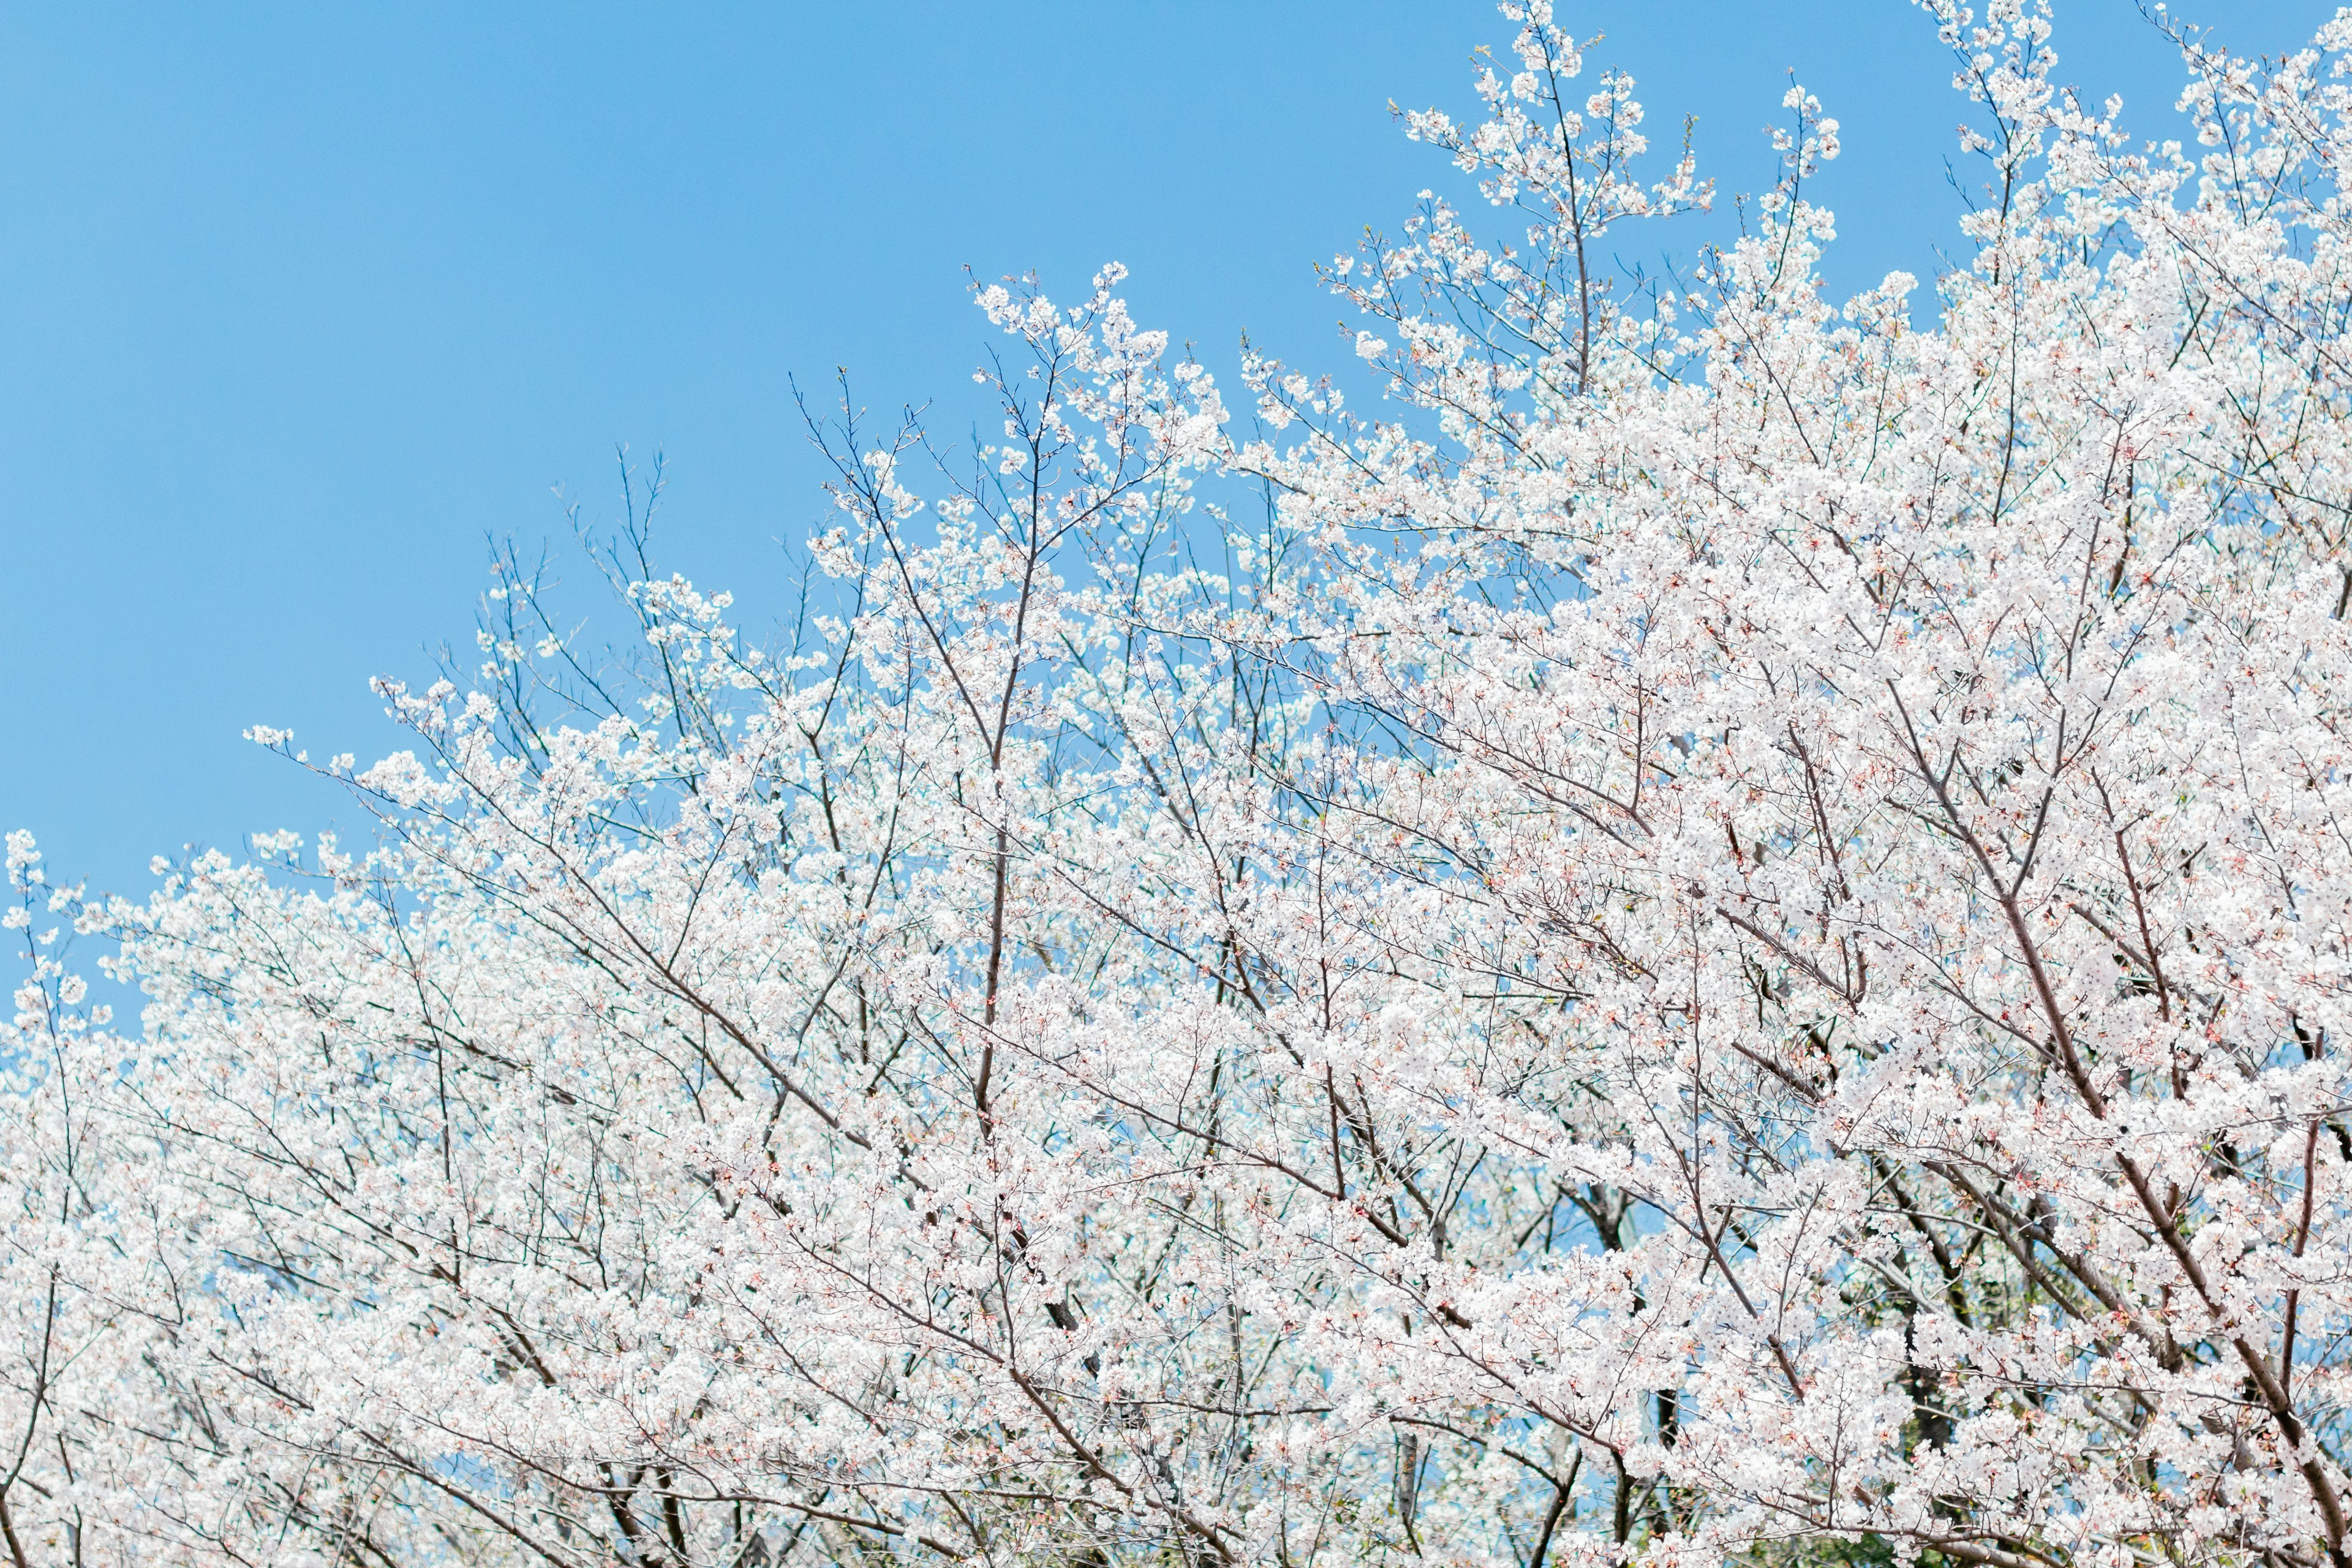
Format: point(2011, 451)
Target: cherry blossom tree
point(1715, 928)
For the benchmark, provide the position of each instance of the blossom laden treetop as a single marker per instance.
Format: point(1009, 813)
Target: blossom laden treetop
point(1717, 932)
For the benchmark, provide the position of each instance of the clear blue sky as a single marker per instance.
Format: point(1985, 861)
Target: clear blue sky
point(300, 303)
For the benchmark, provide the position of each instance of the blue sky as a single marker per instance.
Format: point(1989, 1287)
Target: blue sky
point(297, 304)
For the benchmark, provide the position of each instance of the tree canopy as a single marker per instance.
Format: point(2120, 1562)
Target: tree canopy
point(1713, 931)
